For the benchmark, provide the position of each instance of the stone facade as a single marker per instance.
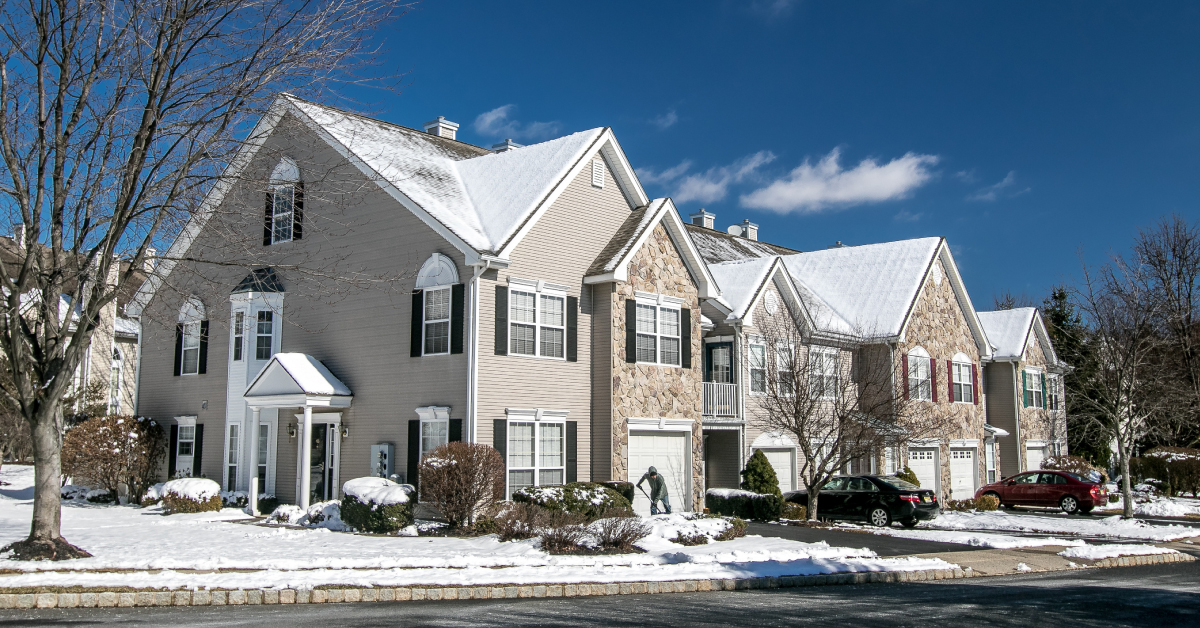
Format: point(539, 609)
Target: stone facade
point(648, 390)
point(1037, 423)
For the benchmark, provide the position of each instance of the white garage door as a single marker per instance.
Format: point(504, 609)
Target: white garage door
point(924, 463)
point(783, 462)
point(1034, 457)
point(962, 473)
point(666, 452)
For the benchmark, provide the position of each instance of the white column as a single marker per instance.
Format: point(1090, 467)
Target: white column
point(253, 432)
point(306, 458)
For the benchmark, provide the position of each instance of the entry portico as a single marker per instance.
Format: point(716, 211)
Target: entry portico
point(292, 380)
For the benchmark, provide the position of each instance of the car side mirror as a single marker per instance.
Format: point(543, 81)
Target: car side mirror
point(1011, 483)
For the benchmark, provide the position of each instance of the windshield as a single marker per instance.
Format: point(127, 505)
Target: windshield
point(901, 484)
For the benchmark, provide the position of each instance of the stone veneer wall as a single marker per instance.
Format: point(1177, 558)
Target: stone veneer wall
point(647, 390)
point(939, 326)
point(1036, 423)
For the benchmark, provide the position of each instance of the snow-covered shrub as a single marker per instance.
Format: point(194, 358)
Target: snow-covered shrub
point(731, 502)
point(100, 496)
point(736, 530)
point(684, 538)
point(1076, 465)
point(983, 503)
point(73, 491)
point(234, 499)
point(759, 476)
point(794, 511)
point(619, 529)
point(564, 532)
point(586, 498)
point(325, 515)
point(519, 521)
point(626, 489)
point(462, 480)
point(114, 451)
point(908, 475)
point(286, 513)
point(376, 505)
point(267, 503)
point(1179, 466)
point(153, 495)
point(191, 495)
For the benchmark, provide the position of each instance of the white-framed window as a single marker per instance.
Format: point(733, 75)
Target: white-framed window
point(239, 336)
point(264, 335)
point(963, 382)
point(537, 320)
point(598, 173)
point(1054, 398)
point(434, 434)
point(191, 349)
point(920, 380)
point(1034, 396)
point(283, 200)
point(658, 336)
point(114, 383)
point(989, 454)
point(784, 366)
point(758, 366)
point(185, 448)
point(822, 372)
point(436, 328)
point(232, 434)
point(536, 453)
point(264, 441)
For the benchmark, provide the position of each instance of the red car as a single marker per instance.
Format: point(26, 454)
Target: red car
point(1070, 492)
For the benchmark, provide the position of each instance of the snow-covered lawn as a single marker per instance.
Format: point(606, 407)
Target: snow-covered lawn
point(136, 539)
point(1159, 506)
point(1113, 527)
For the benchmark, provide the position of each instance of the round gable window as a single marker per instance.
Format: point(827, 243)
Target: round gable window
point(771, 302)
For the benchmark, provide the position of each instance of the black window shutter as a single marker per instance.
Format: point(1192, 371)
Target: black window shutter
point(267, 219)
point(501, 320)
point(455, 435)
point(418, 317)
point(630, 330)
point(203, 366)
point(685, 337)
point(172, 452)
point(572, 329)
point(456, 318)
point(572, 448)
point(178, 348)
point(414, 450)
point(298, 212)
point(500, 438)
point(198, 451)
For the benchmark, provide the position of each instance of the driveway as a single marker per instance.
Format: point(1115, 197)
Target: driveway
point(880, 544)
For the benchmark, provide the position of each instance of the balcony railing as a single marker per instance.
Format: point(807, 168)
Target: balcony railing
point(720, 399)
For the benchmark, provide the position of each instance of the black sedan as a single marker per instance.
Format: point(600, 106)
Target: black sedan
point(877, 500)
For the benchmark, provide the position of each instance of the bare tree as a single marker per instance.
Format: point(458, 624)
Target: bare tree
point(116, 117)
point(839, 402)
point(1120, 313)
point(1010, 301)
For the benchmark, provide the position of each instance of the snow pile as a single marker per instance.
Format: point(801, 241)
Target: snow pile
point(666, 527)
point(154, 493)
point(377, 491)
point(731, 492)
point(1151, 504)
point(286, 514)
point(197, 489)
point(1105, 527)
point(73, 491)
point(974, 539)
point(1100, 552)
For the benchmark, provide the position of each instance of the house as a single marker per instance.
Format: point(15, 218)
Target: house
point(532, 298)
point(1025, 389)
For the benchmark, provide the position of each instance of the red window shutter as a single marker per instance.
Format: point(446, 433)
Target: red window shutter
point(975, 382)
point(904, 368)
point(933, 378)
point(950, 381)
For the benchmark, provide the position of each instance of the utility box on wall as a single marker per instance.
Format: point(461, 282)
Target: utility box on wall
point(383, 458)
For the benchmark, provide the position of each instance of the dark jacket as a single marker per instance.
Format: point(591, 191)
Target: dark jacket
point(658, 486)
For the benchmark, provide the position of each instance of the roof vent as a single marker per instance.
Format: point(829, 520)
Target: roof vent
point(505, 145)
point(442, 128)
point(836, 245)
point(749, 230)
point(19, 235)
point(703, 219)
point(150, 260)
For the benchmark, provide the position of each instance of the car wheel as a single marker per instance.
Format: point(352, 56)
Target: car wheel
point(911, 522)
point(880, 517)
point(1069, 504)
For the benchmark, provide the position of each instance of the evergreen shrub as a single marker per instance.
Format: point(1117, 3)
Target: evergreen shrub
point(759, 476)
point(585, 498)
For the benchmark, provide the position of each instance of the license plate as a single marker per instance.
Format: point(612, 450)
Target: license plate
point(925, 499)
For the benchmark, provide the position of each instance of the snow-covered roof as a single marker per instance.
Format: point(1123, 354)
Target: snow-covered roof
point(482, 197)
point(291, 374)
point(717, 246)
point(872, 286)
point(126, 326)
point(1008, 330)
point(743, 281)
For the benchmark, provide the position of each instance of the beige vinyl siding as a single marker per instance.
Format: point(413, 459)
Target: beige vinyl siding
point(1001, 412)
point(599, 339)
point(558, 249)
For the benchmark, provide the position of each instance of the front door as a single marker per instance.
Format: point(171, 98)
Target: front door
point(322, 463)
point(718, 362)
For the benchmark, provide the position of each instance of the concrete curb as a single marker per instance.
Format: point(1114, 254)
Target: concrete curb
point(334, 595)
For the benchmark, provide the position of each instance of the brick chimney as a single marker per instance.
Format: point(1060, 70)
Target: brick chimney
point(442, 128)
point(703, 219)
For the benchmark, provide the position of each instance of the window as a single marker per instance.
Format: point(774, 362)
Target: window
point(191, 349)
point(239, 335)
point(989, 450)
point(1033, 390)
point(264, 336)
point(784, 365)
point(537, 324)
point(597, 173)
point(282, 211)
point(231, 458)
point(434, 434)
point(920, 382)
point(822, 372)
point(264, 433)
point(1054, 394)
point(658, 334)
point(437, 321)
point(536, 454)
point(721, 367)
point(553, 326)
point(964, 387)
point(114, 384)
point(187, 440)
point(758, 368)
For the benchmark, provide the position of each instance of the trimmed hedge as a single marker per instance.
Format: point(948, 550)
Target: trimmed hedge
point(173, 504)
point(374, 518)
point(626, 489)
point(586, 498)
point(744, 504)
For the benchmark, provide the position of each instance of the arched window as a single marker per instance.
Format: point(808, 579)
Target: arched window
point(437, 303)
point(114, 383)
point(437, 271)
point(191, 339)
point(920, 375)
point(283, 220)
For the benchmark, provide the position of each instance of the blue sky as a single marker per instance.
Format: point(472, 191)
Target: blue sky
point(1024, 132)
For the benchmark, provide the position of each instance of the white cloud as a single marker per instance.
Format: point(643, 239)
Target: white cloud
point(1004, 188)
point(709, 186)
point(666, 120)
point(811, 188)
point(497, 123)
point(906, 216)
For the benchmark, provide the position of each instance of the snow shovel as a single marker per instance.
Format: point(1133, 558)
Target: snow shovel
point(647, 497)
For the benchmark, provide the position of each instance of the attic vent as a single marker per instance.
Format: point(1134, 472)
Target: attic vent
point(442, 128)
point(703, 219)
point(506, 145)
point(598, 173)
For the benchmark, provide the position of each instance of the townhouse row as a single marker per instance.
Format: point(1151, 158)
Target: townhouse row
point(358, 293)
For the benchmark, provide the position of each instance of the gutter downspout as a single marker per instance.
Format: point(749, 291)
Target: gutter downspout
point(1018, 399)
point(480, 267)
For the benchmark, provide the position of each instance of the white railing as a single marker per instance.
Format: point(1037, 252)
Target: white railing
point(720, 399)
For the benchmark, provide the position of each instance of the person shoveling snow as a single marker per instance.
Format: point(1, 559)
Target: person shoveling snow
point(658, 491)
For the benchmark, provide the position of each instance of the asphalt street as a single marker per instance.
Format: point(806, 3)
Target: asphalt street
point(1163, 596)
